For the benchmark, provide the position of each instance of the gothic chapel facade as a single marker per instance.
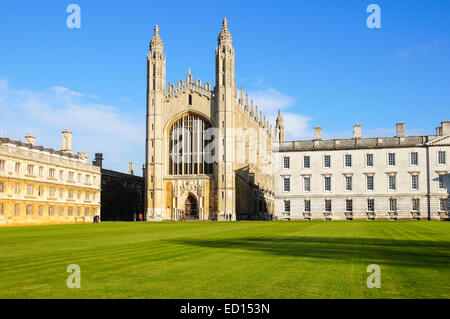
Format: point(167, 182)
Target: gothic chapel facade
point(208, 150)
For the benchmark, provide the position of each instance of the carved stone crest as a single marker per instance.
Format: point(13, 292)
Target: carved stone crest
point(193, 186)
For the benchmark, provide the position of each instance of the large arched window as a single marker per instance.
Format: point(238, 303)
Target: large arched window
point(187, 146)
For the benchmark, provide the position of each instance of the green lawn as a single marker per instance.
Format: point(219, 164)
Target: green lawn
point(227, 260)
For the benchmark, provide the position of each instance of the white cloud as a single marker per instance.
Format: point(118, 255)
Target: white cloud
point(404, 53)
point(270, 101)
point(296, 126)
point(96, 127)
point(62, 90)
point(259, 80)
point(429, 46)
point(3, 84)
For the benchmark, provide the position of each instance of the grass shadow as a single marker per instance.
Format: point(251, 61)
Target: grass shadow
point(424, 254)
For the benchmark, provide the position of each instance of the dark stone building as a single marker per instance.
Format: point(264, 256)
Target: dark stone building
point(122, 195)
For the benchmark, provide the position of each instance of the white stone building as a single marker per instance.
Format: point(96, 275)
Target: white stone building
point(401, 177)
point(41, 185)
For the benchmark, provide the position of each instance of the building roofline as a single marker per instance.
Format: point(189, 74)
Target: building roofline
point(5, 140)
point(109, 172)
point(356, 143)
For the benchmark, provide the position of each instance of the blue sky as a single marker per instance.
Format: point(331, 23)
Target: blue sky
point(316, 60)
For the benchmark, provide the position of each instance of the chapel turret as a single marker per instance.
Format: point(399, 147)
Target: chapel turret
point(279, 128)
point(156, 84)
point(225, 58)
point(157, 63)
point(225, 98)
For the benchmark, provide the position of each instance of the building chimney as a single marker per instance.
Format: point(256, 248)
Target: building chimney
point(317, 133)
point(357, 131)
point(66, 141)
point(30, 139)
point(438, 130)
point(445, 127)
point(401, 129)
point(98, 161)
point(131, 168)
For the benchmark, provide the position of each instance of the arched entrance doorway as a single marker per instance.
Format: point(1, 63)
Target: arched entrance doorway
point(190, 208)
